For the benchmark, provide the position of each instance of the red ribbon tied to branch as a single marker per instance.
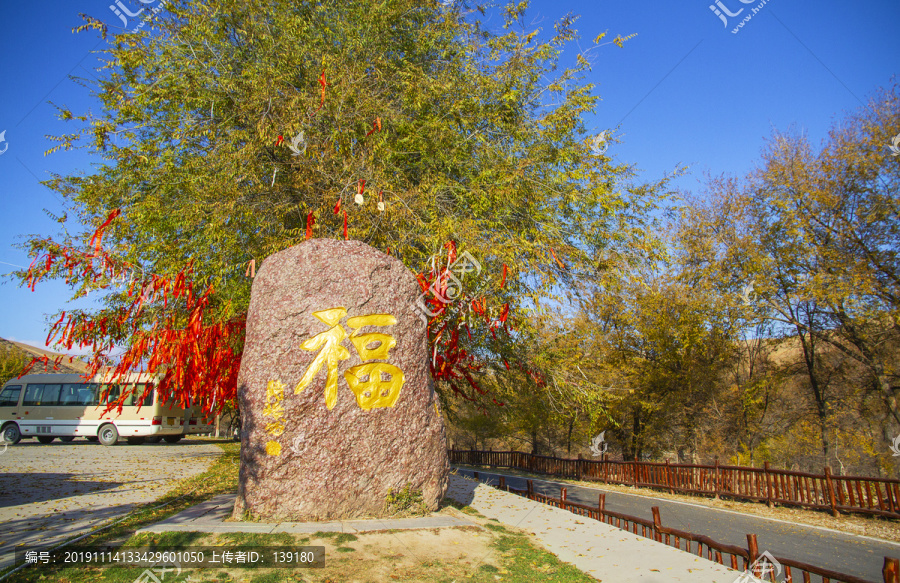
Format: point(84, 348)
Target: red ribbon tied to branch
point(98, 234)
point(310, 221)
point(323, 83)
point(451, 252)
point(376, 125)
point(561, 264)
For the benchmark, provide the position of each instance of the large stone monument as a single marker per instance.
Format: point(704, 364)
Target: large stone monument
point(336, 397)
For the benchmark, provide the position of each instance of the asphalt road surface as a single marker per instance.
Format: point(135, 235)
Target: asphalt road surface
point(50, 493)
point(845, 553)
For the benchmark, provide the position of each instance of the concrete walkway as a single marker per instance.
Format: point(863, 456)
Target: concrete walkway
point(600, 550)
point(210, 517)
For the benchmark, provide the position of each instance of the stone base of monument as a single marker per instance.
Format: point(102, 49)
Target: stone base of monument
point(213, 515)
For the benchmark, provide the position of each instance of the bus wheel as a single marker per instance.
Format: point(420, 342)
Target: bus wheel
point(45, 438)
point(67, 439)
point(11, 434)
point(172, 438)
point(92, 438)
point(108, 435)
point(153, 439)
point(134, 440)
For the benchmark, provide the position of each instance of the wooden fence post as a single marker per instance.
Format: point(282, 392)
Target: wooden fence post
point(831, 498)
point(605, 469)
point(753, 550)
point(669, 477)
point(601, 505)
point(769, 502)
point(657, 523)
point(578, 468)
point(891, 570)
point(718, 479)
point(502, 483)
point(562, 494)
point(476, 475)
point(634, 473)
point(530, 489)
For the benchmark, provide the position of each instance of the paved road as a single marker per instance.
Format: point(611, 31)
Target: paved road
point(49, 493)
point(845, 553)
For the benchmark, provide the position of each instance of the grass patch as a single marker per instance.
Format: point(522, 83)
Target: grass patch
point(338, 537)
point(166, 539)
point(345, 550)
point(488, 569)
point(258, 539)
point(527, 563)
point(406, 502)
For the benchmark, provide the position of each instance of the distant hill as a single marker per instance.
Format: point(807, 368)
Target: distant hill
point(17, 350)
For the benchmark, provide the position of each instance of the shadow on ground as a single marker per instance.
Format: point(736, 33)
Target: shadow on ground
point(18, 489)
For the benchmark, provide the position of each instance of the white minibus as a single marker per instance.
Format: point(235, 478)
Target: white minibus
point(65, 406)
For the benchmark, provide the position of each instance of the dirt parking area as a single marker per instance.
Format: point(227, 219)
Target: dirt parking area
point(49, 493)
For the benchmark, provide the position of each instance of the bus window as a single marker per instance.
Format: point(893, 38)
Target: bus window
point(139, 389)
point(129, 395)
point(50, 395)
point(10, 396)
point(88, 394)
point(114, 392)
point(69, 394)
point(32, 394)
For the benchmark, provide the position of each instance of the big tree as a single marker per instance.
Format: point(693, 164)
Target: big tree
point(230, 130)
point(811, 240)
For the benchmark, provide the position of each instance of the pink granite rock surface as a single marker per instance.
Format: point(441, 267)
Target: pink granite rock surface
point(302, 460)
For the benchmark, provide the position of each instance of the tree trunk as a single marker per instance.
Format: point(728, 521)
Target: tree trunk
point(818, 388)
point(636, 428)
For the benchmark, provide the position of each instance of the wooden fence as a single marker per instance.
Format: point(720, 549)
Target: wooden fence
point(738, 558)
point(826, 491)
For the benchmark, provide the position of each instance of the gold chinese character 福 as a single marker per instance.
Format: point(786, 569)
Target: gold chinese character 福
point(367, 381)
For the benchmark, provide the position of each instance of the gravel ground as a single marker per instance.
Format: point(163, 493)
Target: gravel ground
point(49, 493)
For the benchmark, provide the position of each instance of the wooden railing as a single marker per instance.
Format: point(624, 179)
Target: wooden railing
point(738, 558)
point(877, 496)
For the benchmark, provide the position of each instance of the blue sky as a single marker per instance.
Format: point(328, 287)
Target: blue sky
point(686, 90)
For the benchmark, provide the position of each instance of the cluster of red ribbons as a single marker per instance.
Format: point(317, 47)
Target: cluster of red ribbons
point(195, 360)
point(449, 361)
